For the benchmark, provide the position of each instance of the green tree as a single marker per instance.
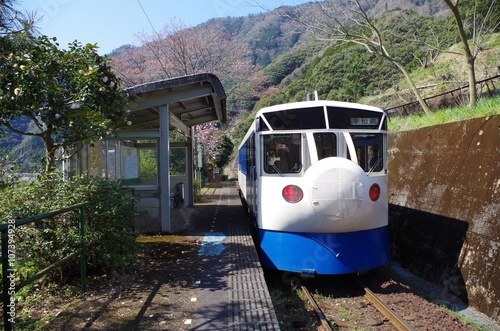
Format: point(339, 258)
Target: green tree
point(224, 150)
point(70, 96)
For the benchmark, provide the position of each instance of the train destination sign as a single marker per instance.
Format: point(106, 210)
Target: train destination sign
point(365, 121)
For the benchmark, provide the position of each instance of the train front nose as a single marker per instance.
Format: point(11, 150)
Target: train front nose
point(337, 191)
point(337, 194)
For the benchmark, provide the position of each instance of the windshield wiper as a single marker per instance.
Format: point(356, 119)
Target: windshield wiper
point(372, 169)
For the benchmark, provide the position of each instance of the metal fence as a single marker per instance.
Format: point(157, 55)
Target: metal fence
point(452, 97)
point(8, 258)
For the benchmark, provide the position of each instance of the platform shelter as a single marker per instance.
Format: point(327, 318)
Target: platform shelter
point(144, 156)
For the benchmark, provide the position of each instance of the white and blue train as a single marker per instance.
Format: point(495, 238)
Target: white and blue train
point(313, 176)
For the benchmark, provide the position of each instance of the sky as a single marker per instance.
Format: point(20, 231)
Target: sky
point(113, 23)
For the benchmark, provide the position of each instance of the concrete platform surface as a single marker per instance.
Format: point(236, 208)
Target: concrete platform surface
point(233, 294)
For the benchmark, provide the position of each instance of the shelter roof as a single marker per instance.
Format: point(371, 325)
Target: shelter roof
point(192, 100)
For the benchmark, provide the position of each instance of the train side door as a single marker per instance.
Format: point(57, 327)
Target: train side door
point(256, 175)
point(252, 174)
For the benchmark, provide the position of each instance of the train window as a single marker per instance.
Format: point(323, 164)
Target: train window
point(297, 119)
point(262, 126)
point(369, 149)
point(282, 153)
point(242, 158)
point(326, 144)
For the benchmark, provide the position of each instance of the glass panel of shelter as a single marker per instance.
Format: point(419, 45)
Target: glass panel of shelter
point(135, 161)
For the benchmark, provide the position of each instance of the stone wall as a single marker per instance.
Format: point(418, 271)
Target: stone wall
point(444, 214)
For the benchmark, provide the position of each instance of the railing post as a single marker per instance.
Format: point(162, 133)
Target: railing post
point(8, 253)
point(5, 281)
point(83, 264)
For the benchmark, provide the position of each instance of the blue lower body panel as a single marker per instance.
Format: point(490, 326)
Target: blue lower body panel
point(323, 253)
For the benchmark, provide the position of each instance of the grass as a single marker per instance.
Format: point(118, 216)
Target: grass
point(292, 309)
point(464, 320)
point(485, 107)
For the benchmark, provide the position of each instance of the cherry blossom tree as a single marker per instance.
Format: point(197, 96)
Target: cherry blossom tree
point(215, 146)
point(208, 139)
point(179, 50)
point(133, 65)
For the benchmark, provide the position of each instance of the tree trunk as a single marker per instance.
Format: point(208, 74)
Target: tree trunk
point(469, 57)
point(472, 82)
point(50, 153)
point(413, 87)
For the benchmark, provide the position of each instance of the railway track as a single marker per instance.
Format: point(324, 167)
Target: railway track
point(382, 307)
point(382, 302)
point(397, 321)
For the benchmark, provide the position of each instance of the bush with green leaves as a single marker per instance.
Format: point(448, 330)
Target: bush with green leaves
point(109, 224)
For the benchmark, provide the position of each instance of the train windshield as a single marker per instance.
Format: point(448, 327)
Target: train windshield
point(282, 153)
point(294, 119)
point(369, 150)
point(326, 144)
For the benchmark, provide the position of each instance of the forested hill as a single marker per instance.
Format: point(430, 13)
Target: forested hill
point(269, 58)
point(266, 36)
point(269, 34)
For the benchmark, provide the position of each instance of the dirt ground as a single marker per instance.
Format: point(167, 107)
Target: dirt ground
point(155, 295)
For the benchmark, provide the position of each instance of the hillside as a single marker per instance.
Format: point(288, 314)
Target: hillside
point(267, 58)
point(273, 49)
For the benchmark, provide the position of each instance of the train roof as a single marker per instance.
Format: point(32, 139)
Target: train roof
point(310, 104)
point(318, 103)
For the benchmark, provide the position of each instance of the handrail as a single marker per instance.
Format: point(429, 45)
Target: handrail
point(408, 104)
point(30, 219)
point(8, 254)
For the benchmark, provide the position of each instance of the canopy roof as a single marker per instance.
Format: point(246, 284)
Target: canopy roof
point(191, 100)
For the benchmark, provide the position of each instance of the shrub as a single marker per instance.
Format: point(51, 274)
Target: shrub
point(108, 225)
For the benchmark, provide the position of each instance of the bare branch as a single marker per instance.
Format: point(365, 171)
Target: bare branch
point(351, 24)
point(9, 126)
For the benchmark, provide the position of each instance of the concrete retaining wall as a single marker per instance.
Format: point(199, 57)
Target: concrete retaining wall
point(149, 205)
point(444, 215)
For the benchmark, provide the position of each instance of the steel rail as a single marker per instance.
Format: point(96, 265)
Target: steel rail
point(317, 310)
point(381, 306)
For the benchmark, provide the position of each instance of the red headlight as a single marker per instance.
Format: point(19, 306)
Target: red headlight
point(374, 192)
point(292, 194)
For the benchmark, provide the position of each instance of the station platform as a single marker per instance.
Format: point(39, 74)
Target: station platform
point(232, 294)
